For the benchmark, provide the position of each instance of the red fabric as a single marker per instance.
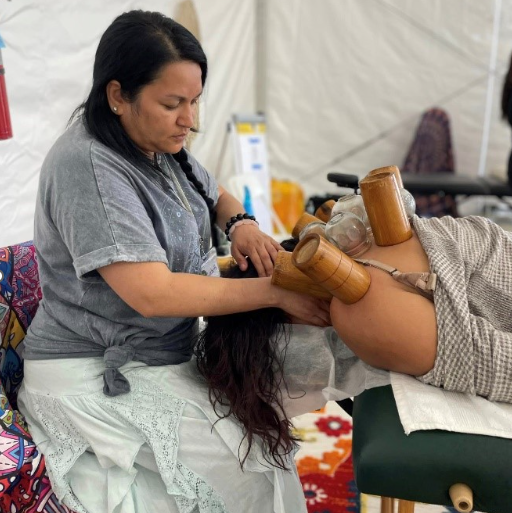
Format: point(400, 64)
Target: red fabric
point(5, 117)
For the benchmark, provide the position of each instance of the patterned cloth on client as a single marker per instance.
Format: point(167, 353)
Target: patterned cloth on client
point(24, 484)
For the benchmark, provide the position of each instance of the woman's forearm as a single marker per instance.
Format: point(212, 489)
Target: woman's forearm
point(182, 294)
point(227, 206)
point(186, 295)
point(154, 291)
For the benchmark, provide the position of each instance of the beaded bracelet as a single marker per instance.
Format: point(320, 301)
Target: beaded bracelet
point(239, 223)
point(234, 219)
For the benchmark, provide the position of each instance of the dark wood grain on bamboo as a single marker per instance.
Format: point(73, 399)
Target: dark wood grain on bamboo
point(225, 263)
point(326, 265)
point(323, 212)
point(385, 209)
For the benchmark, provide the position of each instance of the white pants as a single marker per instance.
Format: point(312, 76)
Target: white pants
point(156, 449)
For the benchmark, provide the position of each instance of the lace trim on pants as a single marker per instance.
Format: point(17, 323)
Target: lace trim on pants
point(154, 414)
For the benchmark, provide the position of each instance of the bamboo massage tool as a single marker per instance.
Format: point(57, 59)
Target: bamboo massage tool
point(306, 220)
point(385, 208)
point(323, 212)
point(329, 267)
point(381, 197)
point(287, 276)
point(389, 169)
point(407, 198)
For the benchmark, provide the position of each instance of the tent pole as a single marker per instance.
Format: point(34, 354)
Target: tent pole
point(490, 87)
point(261, 55)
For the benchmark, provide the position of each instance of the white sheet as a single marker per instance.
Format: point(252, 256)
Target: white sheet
point(424, 407)
point(319, 367)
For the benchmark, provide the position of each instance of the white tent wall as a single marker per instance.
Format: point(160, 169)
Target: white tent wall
point(343, 83)
point(347, 82)
point(50, 46)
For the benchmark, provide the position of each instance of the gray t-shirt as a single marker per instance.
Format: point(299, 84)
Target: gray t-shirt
point(95, 208)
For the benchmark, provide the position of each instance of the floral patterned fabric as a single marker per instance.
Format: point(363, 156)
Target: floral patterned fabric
point(24, 484)
point(324, 461)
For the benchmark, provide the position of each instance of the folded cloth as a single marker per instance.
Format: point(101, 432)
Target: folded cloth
point(423, 407)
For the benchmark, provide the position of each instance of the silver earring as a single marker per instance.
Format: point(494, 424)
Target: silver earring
point(114, 109)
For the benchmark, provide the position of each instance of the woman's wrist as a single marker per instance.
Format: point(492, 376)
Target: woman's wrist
point(275, 295)
point(262, 293)
point(236, 221)
point(249, 222)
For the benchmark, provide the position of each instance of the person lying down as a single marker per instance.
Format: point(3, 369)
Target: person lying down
point(461, 338)
point(267, 370)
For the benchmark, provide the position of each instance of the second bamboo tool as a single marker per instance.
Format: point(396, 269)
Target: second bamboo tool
point(385, 209)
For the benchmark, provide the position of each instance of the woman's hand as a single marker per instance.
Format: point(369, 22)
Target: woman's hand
point(304, 309)
point(247, 240)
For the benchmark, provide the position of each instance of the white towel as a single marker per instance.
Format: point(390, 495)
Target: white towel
point(422, 406)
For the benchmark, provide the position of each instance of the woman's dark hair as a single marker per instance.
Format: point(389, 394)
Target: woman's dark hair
point(133, 50)
point(241, 359)
point(507, 93)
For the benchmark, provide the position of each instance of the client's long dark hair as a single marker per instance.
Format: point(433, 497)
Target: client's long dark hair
point(241, 359)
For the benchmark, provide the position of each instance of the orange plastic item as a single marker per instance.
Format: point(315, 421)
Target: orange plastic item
point(288, 202)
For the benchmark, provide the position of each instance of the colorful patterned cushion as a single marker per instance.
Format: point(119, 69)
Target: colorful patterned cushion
point(24, 484)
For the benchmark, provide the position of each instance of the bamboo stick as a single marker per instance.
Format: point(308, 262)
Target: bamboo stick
point(303, 221)
point(323, 212)
point(385, 209)
point(287, 276)
point(389, 169)
point(326, 265)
